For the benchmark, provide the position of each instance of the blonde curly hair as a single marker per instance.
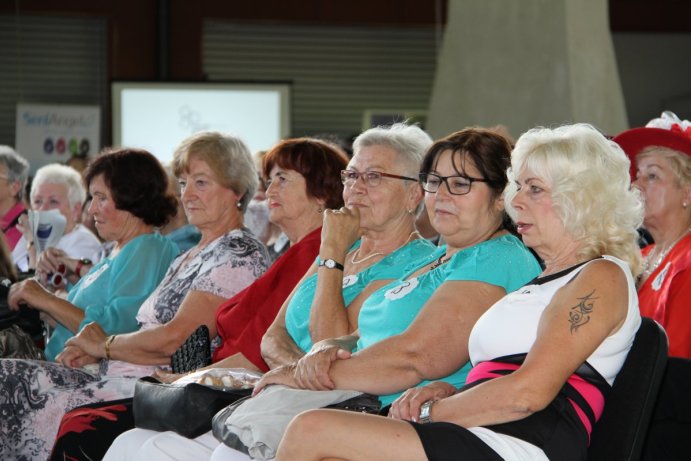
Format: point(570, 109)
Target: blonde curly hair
point(591, 188)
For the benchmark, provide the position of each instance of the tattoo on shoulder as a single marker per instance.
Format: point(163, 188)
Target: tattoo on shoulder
point(580, 313)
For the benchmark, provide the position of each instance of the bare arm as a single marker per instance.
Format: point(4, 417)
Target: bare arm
point(31, 293)
point(154, 346)
point(328, 316)
point(433, 346)
point(562, 345)
point(277, 347)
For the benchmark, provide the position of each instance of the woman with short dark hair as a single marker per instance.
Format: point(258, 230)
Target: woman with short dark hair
point(130, 200)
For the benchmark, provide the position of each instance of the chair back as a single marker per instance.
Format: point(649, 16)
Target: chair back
point(620, 433)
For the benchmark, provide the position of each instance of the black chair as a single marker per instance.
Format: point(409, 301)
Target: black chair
point(669, 436)
point(620, 433)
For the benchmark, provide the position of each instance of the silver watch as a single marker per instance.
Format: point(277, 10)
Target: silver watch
point(330, 264)
point(426, 412)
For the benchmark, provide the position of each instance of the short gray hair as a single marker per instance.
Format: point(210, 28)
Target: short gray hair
point(410, 141)
point(17, 167)
point(228, 157)
point(56, 173)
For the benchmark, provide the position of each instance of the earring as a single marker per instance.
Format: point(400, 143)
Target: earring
point(239, 205)
point(320, 210)
point(684, 205)
point(410, 212)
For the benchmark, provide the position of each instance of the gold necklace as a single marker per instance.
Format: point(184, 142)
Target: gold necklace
point(372, 255)
point(649, 268)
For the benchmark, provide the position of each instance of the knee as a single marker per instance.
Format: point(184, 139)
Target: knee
point(307, 423)
point(304, 427)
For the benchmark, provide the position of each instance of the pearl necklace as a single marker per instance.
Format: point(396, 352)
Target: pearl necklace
point(649, 268)
point(372, 255)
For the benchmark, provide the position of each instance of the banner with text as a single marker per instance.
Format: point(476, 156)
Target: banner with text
point(55, 133)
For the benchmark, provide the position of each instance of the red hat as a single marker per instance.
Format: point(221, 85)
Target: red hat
point(666, 131)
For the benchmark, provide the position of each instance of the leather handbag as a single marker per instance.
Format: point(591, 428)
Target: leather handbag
point(186, 409)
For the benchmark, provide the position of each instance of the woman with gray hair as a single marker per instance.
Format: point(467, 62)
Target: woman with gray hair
point(58, 187)
point(13, 174)
point(217, 177)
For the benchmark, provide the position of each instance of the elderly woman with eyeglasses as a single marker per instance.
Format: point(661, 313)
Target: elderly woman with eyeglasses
point(364, 245)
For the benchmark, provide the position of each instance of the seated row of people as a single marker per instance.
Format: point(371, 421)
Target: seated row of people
point(402, 313)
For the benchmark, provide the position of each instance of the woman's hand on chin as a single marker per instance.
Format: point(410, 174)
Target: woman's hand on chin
point(340, 228)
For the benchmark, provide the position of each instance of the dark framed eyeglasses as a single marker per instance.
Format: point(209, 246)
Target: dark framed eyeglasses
point(371, 178)
point(456, 185)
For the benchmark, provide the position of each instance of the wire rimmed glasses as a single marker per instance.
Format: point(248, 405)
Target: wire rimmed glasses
point(371, 178)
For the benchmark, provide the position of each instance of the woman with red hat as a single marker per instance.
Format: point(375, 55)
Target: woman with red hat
point(660, 156)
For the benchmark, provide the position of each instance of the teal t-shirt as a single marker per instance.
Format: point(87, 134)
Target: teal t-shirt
point(391, 267)
point(503, 261)
point(114, 289)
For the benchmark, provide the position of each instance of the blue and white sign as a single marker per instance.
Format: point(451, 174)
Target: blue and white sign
point(54, 133)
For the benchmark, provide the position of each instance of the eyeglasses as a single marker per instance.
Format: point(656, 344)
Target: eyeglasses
point(456, 185)
point(371, 178)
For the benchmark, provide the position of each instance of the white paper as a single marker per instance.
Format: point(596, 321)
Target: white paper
point(47, 228)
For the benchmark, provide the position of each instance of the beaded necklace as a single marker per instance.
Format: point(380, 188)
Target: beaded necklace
point(649, 268)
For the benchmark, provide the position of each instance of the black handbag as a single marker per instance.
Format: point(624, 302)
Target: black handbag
point(186, 409)
point(25, 318)
point(194, 353)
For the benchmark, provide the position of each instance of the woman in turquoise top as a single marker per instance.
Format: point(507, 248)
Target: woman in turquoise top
point(388, 268)
point(130, 199)
point(409, 330)
point(111, 293)
point(390, 310)
point(359, 253)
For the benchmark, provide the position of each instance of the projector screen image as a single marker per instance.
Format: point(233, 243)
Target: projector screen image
point(158, 116)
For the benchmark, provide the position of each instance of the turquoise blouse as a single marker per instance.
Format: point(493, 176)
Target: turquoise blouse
point(503, 261)
point(390, 267)
point(114, 289)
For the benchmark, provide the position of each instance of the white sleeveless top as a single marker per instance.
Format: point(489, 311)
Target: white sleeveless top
point(509, 327)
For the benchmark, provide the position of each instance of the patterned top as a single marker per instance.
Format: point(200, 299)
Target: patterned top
point(223, 268)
